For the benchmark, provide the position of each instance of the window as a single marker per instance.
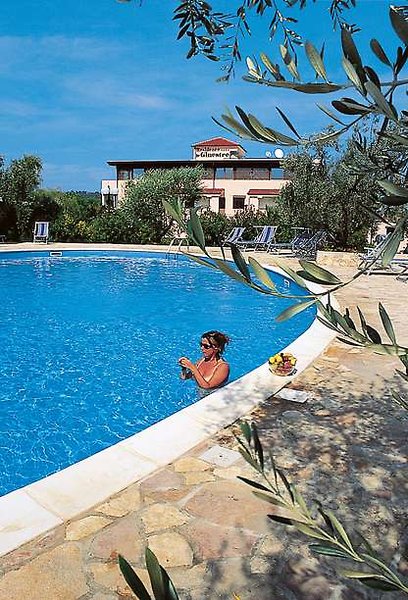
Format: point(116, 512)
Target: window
point(221, 203)
point(278, 174)
point(224, 173)
point(208, 173)
point(238, 202)
point(137, 173)
point(124, 174)
point(266, 201)
point(252, 173)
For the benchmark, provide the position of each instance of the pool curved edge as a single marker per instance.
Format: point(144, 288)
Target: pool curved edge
point(33, 510)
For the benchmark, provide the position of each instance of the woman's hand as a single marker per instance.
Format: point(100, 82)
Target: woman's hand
point(186, 362)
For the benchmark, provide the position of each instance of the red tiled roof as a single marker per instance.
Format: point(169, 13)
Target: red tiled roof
point(219, 142)
point(263, 192)
point(214, 191)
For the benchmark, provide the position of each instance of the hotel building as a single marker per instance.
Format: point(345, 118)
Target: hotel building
point(231, 181)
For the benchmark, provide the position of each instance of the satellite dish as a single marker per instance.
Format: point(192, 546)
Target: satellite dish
point(268, 154)
point(279, 153)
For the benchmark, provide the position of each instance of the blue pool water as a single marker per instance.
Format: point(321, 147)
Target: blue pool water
point(89, 349)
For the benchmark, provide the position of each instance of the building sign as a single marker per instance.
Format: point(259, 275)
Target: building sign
point(210, 152)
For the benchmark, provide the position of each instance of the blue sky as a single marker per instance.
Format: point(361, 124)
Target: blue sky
point(85, 81)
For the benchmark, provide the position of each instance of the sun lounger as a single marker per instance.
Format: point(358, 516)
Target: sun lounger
point(307, 250)
point(262, 241)
point(40, 233)
point(234, 236)
point(300, 237)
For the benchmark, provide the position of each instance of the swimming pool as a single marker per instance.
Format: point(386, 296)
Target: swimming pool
point(90, 347)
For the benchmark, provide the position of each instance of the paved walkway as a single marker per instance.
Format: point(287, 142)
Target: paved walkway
point(346, 446)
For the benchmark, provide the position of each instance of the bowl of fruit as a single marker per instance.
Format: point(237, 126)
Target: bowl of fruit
point(282, 364)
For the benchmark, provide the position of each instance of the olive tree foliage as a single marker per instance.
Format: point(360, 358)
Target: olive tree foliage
point(18, 183)
point(322, 194)
point(143, 207)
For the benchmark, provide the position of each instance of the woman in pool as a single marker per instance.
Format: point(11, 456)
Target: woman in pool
point(212, 370)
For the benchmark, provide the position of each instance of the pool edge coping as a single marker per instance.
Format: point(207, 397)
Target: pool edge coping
point(33, 510)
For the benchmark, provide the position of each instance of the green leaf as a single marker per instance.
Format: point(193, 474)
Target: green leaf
point(388, 349)
point(174, 212)
point(155, 575)
point(352, 74)
point(269, 134)
point(373, 334)
point(269, 498)
point(201, 261)
point(286, 484)
point(339, 529)
point(284, 267)
point(133, 580)
point(391, 247)
point(329, 113)
point(362, 321)
point(399, 24)
point(289, 62)
point(393, 200)
point(306, 88)
point(328, 551)
point(315, 60)
point(379, 52)
point(392, 188)
point(240, 262)
point(257, 445)
point(222, 266)
point(306, 530)
point(293, 310)
point(288, 123)
point(279, 519)
point(246, 456)
point(348, 106)
point(350, 50)
point(273, 69)
point(387, 324)
point(319, 273)
point(380, 100)
point(254, 484)
point(397, 397)
point(246, 431)
point(261, 273)
point(196, 228)
point(171, 593)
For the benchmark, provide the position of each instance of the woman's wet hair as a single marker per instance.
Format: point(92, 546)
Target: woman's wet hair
point(216, 338)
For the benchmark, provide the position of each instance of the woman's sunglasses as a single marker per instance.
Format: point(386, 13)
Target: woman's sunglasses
point(206, 346)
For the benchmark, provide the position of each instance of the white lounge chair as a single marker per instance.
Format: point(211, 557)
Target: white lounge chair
point(40, 233)
point(263, 241)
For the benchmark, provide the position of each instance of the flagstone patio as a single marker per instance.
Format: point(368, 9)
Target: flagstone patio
point(346, 446)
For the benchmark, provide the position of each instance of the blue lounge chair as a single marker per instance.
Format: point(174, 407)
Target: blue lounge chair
point(234, 236)
point(308, 249)
point(40, 233)
point(263, 241)
point(300, 237)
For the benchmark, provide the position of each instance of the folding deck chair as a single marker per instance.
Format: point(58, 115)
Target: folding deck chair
point(308, 249)
point(262, 241)
point(234, 236)
point(300, 237)
point(40, 233)
point(372, 258)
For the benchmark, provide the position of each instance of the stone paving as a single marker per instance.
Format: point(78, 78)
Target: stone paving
point(347, 446)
